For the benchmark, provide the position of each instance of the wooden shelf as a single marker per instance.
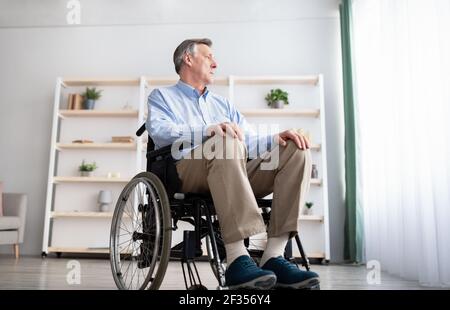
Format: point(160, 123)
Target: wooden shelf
point(281, 112)
point(257, 80)
point(317, 182)
point(160, 81)
point(97, 113)
point(315, 147)
point(243, 80)
point(106, 146)
point(89, 180)
point(276, 112)
point(72, 82)
point(311, 218)
point(73, 214)
point(77, 250)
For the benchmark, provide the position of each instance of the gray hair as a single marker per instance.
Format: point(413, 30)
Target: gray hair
point(187, 47)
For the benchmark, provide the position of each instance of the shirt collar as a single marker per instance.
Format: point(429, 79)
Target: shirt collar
point(190, 91)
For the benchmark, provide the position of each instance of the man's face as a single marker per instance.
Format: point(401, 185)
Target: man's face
point(203, 64)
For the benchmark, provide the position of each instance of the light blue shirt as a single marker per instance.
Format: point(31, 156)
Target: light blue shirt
point(180, 112)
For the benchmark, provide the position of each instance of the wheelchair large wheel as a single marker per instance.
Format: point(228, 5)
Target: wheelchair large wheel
point(141, 234)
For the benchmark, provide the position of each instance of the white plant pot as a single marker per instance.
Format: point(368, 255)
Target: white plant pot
point(86, 173)
point(307, 211)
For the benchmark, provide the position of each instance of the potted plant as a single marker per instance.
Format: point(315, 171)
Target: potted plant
point(86, 169)
point(308, 208)
point(277, 98)
point(90, 96)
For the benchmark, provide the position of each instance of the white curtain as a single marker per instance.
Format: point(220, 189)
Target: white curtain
point(402, 77)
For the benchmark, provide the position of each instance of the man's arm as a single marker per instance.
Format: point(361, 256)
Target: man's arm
point(162, 126)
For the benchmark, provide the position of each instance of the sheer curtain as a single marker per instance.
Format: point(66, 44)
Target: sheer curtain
point(402, 83)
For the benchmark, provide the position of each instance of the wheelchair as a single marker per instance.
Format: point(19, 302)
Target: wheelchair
point(149, 209)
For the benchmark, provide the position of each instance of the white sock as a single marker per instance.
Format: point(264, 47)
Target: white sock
point(275, 247)
point(234, 250)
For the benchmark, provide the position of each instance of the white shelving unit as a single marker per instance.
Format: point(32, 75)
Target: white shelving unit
point(67, 225)
point(73, 222)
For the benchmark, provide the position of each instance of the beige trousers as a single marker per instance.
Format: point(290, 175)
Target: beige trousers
point(234, 183)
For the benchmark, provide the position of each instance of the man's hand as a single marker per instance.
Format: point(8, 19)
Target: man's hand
point(299, 139)
point(225, 128)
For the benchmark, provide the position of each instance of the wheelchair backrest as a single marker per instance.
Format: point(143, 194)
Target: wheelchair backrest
point(150, 143)
point(163, 167)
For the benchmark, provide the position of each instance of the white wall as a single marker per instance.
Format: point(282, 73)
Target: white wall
point(114, 39)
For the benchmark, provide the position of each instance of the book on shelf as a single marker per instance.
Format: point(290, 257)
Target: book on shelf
point(75, 102)
point(70, 102)
point(82, 141)
point(78, 102)
point(122, 139)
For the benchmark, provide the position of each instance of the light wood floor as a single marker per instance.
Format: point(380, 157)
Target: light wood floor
point(50, 273)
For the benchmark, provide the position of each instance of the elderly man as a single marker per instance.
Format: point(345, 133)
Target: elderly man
point(188, 109)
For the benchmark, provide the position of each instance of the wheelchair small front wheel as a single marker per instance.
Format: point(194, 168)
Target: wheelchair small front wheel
point(141, 234)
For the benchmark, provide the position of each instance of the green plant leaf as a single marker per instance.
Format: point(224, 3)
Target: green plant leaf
point(277, 94)
point(87, 167)
point(92, 93)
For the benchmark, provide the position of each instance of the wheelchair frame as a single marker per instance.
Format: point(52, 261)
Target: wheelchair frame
point(196, 209)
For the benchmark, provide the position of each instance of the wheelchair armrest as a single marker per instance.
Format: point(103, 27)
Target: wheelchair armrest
point(166, 150)
point(163, 152)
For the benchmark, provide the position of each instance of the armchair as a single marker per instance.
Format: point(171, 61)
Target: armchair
point(12, 223)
